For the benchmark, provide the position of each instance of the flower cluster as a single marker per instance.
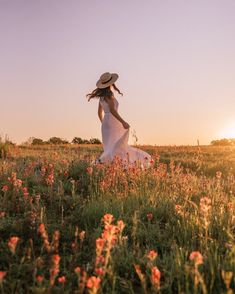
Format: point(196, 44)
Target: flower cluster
point(104, 245)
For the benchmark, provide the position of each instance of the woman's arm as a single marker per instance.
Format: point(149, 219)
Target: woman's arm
point(100, 112)
point(115, 113)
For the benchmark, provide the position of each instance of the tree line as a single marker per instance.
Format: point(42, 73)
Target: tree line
point(57, 140)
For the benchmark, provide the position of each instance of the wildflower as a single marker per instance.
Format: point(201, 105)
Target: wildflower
point(2, 276)
point(205, 205)
point(149, 216)
point(54, 268)
point(77, 270)
point(155, 277)
point(39, 278)
point(82, 235)
point(230, 206)
point(62, 279)
point(93, 283)
point(12, 243)
point(218, 174)
point(89, 170)
point(108, 218)
point(25, 192)
point(99, 271)
point(56, 259)
point(41, 229)
point(100, 244)
point(5, 188)
point(100, 260)
point(120, 225)
point(2, 214)
point(152, 255)
point(196, 257)
point(18, 183)
point(140, 275)
point(178, 208)
point(50, 179)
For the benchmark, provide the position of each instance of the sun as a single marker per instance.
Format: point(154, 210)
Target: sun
point(229, 131)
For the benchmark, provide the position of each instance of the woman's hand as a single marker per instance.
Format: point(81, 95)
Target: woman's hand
point(125, 125)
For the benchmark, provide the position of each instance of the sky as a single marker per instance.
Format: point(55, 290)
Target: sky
point(175, 60)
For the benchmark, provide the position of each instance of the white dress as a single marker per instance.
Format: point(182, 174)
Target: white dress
point(115, 140)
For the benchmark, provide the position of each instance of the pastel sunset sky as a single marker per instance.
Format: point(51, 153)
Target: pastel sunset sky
point(175, 60)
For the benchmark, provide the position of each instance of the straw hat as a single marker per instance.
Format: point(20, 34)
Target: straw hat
point(106, 79)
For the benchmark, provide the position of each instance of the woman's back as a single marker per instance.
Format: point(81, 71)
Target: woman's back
point(106, 106)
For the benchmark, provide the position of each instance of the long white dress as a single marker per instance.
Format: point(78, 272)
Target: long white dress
point(115, 140)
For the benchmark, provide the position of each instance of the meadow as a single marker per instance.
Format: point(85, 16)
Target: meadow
point(67, 226)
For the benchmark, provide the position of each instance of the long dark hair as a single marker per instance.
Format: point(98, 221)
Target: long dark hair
point(105, 92)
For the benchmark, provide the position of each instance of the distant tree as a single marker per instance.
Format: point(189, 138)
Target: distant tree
point(85, 141)
point(95, 141)
point(37, 141)
point(56, 140)
point(223, 142)
point(77, 140)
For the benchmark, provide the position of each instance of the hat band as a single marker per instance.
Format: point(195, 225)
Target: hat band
point(107, 81)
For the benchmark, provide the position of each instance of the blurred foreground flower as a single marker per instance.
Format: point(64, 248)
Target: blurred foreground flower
point(5, 188)
point(39, 278)
point(12, 243)
point(93, 284)
point(155, 277)
point(89, 170)
point(2, 275)
point(54, 268)
point(62, 279)
point(149, 216)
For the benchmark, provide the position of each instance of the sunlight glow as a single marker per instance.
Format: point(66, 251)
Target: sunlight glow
point(229, 131)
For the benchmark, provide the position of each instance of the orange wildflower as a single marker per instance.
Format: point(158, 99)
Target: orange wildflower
point(155, 277)
point(99, 271)
point(196, 257)
point(108, 218)
point(120, 225)
point(39, 278)
point(89, 170)
point(77, 270)
point(152, 255)
point(62, 279)
point(12, 243)
point(2, 275)
point(93, 283)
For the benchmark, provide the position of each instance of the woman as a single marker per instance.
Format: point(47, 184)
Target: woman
point(115, 130)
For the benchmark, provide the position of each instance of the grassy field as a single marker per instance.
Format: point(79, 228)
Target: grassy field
point(69, 227)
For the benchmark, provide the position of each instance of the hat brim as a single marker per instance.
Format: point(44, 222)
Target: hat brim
point(102, 85)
